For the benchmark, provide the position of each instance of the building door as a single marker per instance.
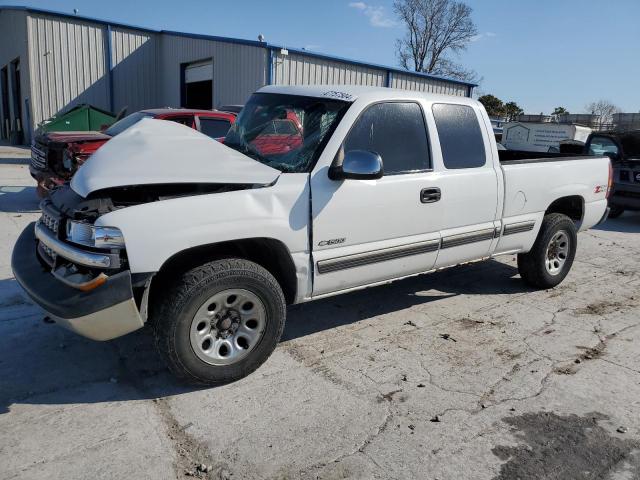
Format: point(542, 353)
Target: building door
point(4, 98)
point(16, 130)
point(198, 85)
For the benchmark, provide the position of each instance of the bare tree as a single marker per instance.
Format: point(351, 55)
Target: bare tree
point(435, 30)
point(604, 110)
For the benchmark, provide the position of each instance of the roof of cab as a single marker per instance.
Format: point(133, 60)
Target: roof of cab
point(350, 93)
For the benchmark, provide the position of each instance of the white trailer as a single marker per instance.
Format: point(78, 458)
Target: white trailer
point(541, 137)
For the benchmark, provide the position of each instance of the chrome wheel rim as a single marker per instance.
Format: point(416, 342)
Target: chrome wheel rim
point(557, 252)
point(228, 326)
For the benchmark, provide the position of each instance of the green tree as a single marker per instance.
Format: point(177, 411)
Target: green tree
point(492, 104)
point(512, 110)
point(560, 111)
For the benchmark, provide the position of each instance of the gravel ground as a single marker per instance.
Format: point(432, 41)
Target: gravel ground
point(461, 374)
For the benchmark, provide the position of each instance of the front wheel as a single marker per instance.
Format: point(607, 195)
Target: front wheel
point(550, 259)
point(220, 321)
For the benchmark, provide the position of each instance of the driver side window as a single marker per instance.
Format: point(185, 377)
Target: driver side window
point(397, 132)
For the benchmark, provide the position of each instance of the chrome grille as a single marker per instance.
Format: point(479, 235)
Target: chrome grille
point(50, 253)
point(38, 157)
point(49, 221)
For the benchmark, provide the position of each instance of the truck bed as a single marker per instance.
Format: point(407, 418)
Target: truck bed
point(521, 156)
point(531, 182)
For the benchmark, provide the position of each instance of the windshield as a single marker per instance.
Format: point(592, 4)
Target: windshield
point(121, 125)
point(286, 132)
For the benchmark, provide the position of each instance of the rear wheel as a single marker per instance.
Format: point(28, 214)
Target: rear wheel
point(220, 321)
point(615, 211)
point(550, 259)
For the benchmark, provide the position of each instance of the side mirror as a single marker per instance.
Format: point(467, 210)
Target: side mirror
point(613, 156)
point(358, 165)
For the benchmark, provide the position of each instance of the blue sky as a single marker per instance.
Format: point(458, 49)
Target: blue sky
point(539, 53)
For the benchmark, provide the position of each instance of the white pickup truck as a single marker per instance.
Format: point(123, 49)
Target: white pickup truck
point(316, 191)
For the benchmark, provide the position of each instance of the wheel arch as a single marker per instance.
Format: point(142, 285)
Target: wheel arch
point(269, 253)
point(572, 206)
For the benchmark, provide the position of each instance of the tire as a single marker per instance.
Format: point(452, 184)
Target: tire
point(177, 331)
point(615, 211)
point(535, 267)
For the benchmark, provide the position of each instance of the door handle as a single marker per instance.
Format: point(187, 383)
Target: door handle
point(430, 195)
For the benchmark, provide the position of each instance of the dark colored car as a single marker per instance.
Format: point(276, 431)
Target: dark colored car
point(55, 156)
point(624, 150)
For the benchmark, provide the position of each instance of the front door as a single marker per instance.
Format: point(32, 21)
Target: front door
point(368, 231)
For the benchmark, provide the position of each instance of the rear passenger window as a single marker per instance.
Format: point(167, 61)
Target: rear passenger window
point(397, 132)
point(214, 127)
point(460, 136)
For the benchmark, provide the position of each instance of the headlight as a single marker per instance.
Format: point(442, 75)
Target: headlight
point(93, 236)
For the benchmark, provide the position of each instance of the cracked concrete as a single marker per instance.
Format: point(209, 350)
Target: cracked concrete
point(367, 385)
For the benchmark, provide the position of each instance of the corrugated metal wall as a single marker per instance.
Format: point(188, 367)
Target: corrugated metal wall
point(135, 61)
point(425, 84)
point(238, 70)
point(295, 69)
point(13, 45)
point(67, 64)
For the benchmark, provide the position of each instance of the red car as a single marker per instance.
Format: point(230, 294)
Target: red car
point(55, 156)
point(279, 136)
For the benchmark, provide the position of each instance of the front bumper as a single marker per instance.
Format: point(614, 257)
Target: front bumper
point(107, 312)
point(626, 195)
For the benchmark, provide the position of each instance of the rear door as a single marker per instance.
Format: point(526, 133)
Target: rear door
point(368, 231)
point(469, 183)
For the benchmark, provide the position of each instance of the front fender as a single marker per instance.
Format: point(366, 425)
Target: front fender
point(156, 231)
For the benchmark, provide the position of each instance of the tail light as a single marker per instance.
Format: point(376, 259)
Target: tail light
point(610, 182)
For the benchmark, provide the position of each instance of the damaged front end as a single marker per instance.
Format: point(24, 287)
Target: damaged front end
point(56, 156)
point(73, 261)
point(77, 272)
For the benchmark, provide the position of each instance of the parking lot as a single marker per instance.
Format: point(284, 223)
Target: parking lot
point(461, 374)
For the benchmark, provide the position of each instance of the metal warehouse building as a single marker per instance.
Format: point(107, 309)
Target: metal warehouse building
point(50, 61)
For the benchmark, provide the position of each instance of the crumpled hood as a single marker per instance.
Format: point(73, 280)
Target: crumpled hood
point(164, 152)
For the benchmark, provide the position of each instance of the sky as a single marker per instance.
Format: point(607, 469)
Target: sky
point(539, 53)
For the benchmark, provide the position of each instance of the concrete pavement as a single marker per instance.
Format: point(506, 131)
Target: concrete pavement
point(461, 374)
